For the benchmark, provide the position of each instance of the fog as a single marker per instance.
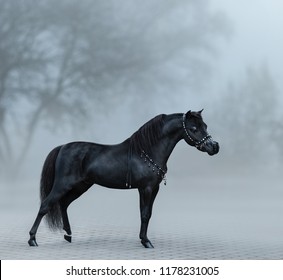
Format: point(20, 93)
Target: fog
point(97, 70)
point(76, 74)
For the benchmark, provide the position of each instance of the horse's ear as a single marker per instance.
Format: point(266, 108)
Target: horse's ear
point(188, 114)
point(200, 111)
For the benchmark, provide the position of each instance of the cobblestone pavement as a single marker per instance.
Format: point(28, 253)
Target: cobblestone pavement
point(207, 219)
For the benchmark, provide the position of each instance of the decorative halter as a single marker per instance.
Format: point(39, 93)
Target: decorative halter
point(199, 143)
point(153, 165)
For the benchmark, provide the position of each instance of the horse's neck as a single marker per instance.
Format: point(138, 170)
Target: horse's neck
point(172, 135)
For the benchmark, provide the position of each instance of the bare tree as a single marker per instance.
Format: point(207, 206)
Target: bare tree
point(248, 112)
point(58, 57)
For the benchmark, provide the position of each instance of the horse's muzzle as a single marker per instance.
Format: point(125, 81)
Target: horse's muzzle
point(211, 147)
point(214, 149)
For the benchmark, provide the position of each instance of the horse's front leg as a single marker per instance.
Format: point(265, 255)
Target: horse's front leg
point(147, 196)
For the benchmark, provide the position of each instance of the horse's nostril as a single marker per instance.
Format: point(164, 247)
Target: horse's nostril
point(216, 148)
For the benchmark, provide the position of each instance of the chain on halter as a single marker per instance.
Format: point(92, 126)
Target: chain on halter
point(160, 171)
point(197, 144)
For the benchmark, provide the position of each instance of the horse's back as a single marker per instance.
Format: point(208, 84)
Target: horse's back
point(105, 165)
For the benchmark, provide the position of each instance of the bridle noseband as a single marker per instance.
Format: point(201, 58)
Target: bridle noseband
point(199, 143)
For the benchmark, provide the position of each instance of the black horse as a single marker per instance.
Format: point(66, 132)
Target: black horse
point(139, 162)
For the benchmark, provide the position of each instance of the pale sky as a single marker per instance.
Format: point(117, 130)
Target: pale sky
point(257, 38)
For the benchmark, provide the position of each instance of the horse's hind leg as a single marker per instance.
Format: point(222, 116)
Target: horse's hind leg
point(66, 223)
point(32, 233)
point(64, 204)
point(44, 208)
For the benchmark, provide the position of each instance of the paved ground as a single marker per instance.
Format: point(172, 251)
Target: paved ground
point(237, 217)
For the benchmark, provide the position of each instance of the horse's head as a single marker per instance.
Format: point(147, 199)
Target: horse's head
point(195, 133)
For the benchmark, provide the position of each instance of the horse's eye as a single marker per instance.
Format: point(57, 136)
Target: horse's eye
point(193, 129)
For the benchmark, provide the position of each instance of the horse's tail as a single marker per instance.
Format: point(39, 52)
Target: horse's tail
point(54, 216)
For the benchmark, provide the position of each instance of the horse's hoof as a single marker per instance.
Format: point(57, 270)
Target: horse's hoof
point(68, 238)
point(32, 243)
point(147, 244)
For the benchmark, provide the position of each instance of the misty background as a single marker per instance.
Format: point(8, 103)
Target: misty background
point(97, 70)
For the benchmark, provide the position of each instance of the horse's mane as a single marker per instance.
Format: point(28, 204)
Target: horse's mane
point(147, 135)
